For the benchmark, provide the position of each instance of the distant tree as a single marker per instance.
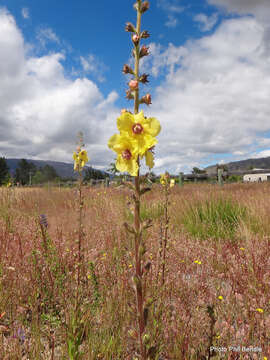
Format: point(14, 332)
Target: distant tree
point(49, 173)
point(25, 171)
point(197, 170)
point(91, 173)
point(4, 174)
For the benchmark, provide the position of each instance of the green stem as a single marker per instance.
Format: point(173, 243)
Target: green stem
point(137, 220)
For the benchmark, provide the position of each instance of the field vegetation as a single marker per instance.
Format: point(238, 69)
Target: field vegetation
point(216, 288)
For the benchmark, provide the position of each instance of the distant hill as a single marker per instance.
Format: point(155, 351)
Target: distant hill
point(64, 170)
point(238, 167)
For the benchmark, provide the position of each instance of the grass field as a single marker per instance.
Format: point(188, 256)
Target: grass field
point(217, 283)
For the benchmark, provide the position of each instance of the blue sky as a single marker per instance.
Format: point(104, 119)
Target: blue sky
point(60, 73)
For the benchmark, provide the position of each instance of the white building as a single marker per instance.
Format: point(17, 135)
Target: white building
point(256, 177)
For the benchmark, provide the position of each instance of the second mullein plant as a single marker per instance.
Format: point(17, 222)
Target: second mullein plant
point(135, 141)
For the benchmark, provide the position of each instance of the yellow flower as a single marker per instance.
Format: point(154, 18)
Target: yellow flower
point(164, 178)
point(142, 130)
point(265, 358)
point(259, 310)
point(172, 182)
point(149, 159)
point(197, 262)
point(220, 297)
point(127, 154)
point(80, 158)
point(241, 248)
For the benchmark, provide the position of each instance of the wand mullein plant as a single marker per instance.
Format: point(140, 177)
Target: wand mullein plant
point(80, 158)
point(135, 141)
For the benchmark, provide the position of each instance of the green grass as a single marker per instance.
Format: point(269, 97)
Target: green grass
point(214, 218)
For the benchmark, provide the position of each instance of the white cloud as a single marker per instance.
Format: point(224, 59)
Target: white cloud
point(93, 66)
point(215, 99)
point(259, 8)
point(25, 13)
point(172, 8)
point(262, 154)
point(206, 23)
point(42, 110)
point(45, 35)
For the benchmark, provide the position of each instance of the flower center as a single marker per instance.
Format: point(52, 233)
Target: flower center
point(126, 154)
point(137, 128)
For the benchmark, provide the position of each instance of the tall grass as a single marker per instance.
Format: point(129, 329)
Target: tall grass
point(186, 316)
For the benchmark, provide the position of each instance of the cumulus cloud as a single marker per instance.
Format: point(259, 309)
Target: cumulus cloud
point(25, 13)
point(42, 110)
point(206, 23)
point(215, 97)
point(259, 8)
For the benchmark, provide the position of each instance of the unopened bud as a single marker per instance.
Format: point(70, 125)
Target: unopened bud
point(145, 34)
point(145, 6)
point(146, 99)
point(127, 69)
point(144, 51)
point(130, 27)
point(123, 111)
point(135, 39)
point(144, 78)
point(129, 95)
point(133, 84)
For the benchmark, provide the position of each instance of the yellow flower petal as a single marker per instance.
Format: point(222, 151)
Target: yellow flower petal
point(151, 126)
point(149, 159)
point(130, 166)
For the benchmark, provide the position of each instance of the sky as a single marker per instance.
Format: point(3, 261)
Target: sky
point(209, 67)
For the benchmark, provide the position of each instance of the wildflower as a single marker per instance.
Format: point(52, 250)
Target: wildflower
point(133, 84)
point(149, 159)
point(241, 248)
point(126, 153)
point(217, 336)
point(197, 262)
point(129, 27)
point(172, 182)
point(220, 297)
point(43, 220)
point(259, 310)
point(80, 158)
point(164, 178)
point(130, 265)
point(145, 6)
point(144, 78)
point(145, 34)
point(127, 69)
point(140, 129)
point(146, 99)
point(265, 358)
point(135, 39)
point(144, 51)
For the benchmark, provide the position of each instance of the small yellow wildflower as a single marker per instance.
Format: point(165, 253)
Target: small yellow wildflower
point(241, 248)
point(80, 158)
point(172, 182)
point(220, 297)
point(130, 265)
point(265, 358)
point(259, 310)
point(217, 336)
point(164, 179)
point(197, 262)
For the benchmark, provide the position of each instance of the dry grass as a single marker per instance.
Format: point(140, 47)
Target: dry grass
point(37, 286)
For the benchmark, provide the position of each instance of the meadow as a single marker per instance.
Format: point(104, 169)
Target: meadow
point(216, 291)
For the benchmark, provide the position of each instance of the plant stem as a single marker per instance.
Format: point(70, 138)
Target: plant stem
point(79, 239)
point(165, 233)
point(137, 219)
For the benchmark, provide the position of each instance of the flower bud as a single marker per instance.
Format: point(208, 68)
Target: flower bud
point(135, 39)
point(130, 27)
point(144, 51)
point(133, 84)
point(127, 69)
point(144, 78)
point(129, 95)
point(145, 34)
point(123, 111)
point(145, 6)
point(146, 99)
